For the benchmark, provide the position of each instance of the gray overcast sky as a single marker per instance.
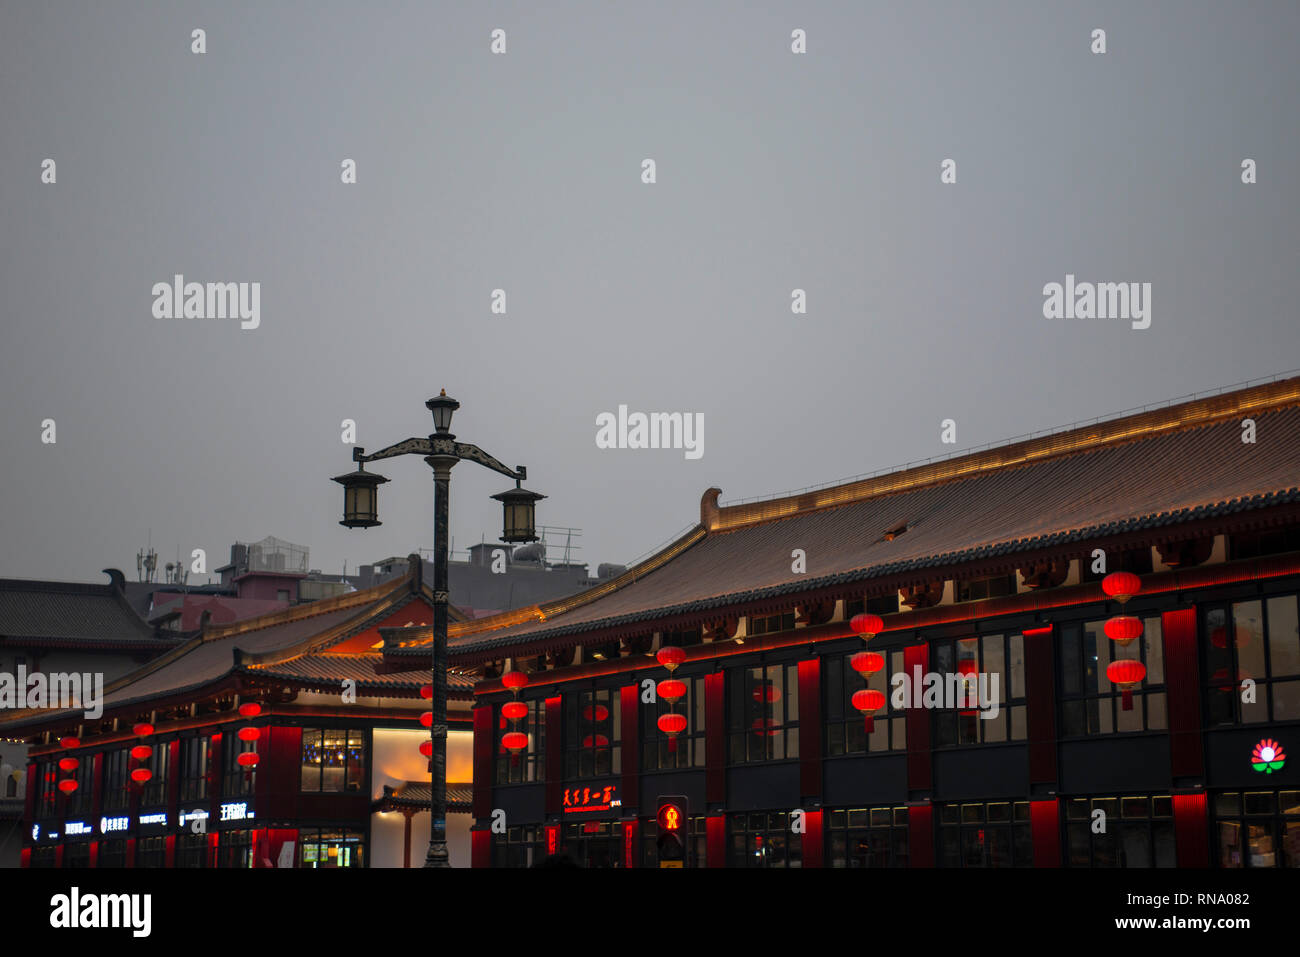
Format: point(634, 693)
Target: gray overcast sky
point(775, 171)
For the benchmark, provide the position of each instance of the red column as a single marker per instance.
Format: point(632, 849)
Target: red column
point(1183, 692)
point(554, 756)
point(918, 724)
point(630, 833)
point(715, 740)
point(813, 840)
point(552, 839)
point(169, 851)
point(810, 729)
point(130, 852)
point(1045, 825)
point(1040, 705)
point(97, 789)
point(94, 854)
point(629, 704)
point(1191, 830)
point(920, 832)
point(173, 781)
point(484, 741)
point(480, 848)
point(715, 852)
point(29, 795)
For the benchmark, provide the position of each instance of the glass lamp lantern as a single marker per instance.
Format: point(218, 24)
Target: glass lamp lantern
point(360, 497)
point(520, 509)
point(442, 407)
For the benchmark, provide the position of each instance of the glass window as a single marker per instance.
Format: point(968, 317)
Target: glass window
point(763, 839)
point(333, 760)
point(845, 725)
point(1131, 831)
point(867, 837)
point(657, 750)
point(117, 793)
point(592, 720)
point(112, 853)
point(194, 768)
point(235, 849)
point(331, 848)
point(518, 847)
point(1256, 642)
point(154, 791)
point(1090, 702)
point(1258, 828)
point(763, 713)
point(984, 690)
point(237, 780)
point(151, 852)
point(530, 763)
point(992, 834)
point(191, 850)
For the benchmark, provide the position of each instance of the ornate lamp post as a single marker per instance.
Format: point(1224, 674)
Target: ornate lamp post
point(360, 510)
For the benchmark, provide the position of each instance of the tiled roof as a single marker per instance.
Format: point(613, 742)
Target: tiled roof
point(68, 612)
point(327, 669)
point(1141, 472)
point(419, 794)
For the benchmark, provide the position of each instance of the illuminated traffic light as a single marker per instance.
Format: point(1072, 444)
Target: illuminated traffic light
point(672, 831)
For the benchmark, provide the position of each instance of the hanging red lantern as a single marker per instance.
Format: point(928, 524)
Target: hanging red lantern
point(141, 775)
point(766, 692)
point(426, 719)
point(248, 759)
point(69, 764)
point(597, 741)
point(142, 730)
point(142, 752)
point(1125, 674)
point(1121, 586)
point(672, 725)
point(249, 734)
point(426, 748)
point(867, 625)
point(868, 701)
point(514, 710)
point(670, 689)
point(514, 742)
point(250, 709)
point(670, 656)
point(426, 691)
point(1122, 629)
point(67, 785)
point(598, 713)
point(514, 680)
point(70, 742)
point(867, 663)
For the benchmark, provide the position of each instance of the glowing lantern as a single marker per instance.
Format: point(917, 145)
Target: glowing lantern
point(247, 759)
point(867, 662)
point(597, 714)
point(766, 692)
point(141, 775)
point(1121, 585)
point(426, 748)
point(670, 689)
point(670, 656)
point(69, 764)
point(142, 752)
point(250, 709)
point(868, 701)
point(867, 625)
point(67, 785)
point(514, 710)
point(672, 725)
point(70, 742)
point(426, 691)
point(514, 742)
point(598, 741)
point(514, 680)
point(143, 729)
point(1125, 674)
point(426, 719)
point(249, 734)
point(1122, 629)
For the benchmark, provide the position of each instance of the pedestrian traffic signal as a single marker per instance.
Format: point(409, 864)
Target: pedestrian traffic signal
point(672, 827)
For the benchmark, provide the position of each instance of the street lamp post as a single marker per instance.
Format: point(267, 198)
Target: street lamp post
point(441, 451)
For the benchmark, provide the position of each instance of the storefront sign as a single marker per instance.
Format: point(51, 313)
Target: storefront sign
point(237, 811)
point(197, 814)
point(158, 818)
point(586, 800)
point(72, 828)
point(1268, 756)
point(107, 824)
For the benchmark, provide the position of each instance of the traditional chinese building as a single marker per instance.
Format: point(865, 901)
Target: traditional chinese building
point(1122, 595)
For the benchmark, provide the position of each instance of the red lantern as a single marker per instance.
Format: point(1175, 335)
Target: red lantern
point(143, 729)
point(426, 691)
point(249, 734)
point(1219, 637)
point(867, 625)
point(69, 764)
point(426, 719)
point(514, 680)
point(867, 662)
point(70, 742)
point(670, 689)
point(247, 759)
point(514, 742)
point(868, 701)
point(1121, 585)
point(141, 775)
point(67, 785)
point(250, 709)
point(670, 656)
point(598, 714)
point(1125, 673)
point(766, 692)
point(1122, 629)
point(514, 710)
point(142, 752)
point(426, 748)
point(598, 741)
point(672, 725)
point(765, 726)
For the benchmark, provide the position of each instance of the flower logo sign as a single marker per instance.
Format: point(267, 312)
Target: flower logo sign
point(1268, 756)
